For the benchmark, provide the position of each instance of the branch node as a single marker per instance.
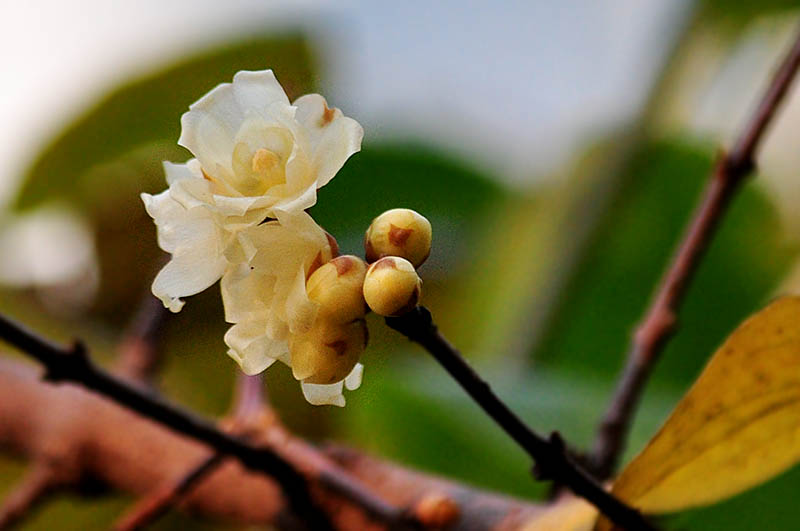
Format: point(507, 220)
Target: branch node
point(68, 364)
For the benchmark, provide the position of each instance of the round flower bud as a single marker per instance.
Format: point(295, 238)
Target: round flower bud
point(392, 286)
point(328, 352)
point(337, 288)
point(399, 232)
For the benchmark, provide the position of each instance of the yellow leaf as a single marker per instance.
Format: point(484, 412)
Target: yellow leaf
point(571, 514)
point(738, 426)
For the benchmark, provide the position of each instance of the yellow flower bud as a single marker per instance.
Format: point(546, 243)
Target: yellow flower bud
point(337, 288)
point(328, 352)
point(399, 232)
point(392, 286)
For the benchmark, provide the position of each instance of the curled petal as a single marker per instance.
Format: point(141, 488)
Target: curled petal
point(353, 380)
point(331, 394)
point(332, 136)
point(177, 172)
point(251, 348)
point(323, 395)
point(196, 243)
point(191, 193)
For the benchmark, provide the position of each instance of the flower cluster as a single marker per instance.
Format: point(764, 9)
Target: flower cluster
point(236, 212)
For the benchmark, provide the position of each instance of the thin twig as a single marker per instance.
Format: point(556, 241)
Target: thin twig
point(139, 353)
point(660, 319)
point(152, 507)
point(75, 366)
point(550, 455)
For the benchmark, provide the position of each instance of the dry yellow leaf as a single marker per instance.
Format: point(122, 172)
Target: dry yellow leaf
point(738, 426)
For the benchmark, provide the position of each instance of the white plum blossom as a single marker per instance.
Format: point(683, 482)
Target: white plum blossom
point(236, 212)
point(256, 156)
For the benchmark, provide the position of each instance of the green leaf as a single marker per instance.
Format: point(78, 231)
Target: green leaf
point(741, 12)
point(615, 279)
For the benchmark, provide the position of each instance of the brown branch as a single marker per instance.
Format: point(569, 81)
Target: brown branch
point(550, 455)
point(249, 405)
point(254, 420)
point(660, 319)
point(73, 365)
point(130, 453)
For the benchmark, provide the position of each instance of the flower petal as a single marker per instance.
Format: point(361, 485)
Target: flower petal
point(353, 380)
point(196, 243)
point(251, 348)
point(191, 193)
point(176, 172)
point(322, 395)
point(333, 137)
point(210, 126)
point(246, 294)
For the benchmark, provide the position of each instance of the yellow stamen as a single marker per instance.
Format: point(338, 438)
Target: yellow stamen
point(265, 161)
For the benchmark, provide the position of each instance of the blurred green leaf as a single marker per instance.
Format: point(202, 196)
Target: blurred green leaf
point(455, 198)
point(409, 410)
point(741, 12)
point(617, 275)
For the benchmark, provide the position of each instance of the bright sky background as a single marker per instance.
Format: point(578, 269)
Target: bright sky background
point(511, 85)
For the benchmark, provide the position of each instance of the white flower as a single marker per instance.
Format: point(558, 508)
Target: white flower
point(257, 156)
point(266, 300)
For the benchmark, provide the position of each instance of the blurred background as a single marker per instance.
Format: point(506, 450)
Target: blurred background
point(556, 147)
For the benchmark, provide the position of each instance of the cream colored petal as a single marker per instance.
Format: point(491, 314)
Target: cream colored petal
point(323, 395)
point(251, 348)
point(163, 209)
point(296, 203)
point(189, 272)
point(196, 243)
point(353, 380)
point(210, 126)
point(286, 246)
point(258, 89)
point(176, 172)
point(240, 206)
point(209, 135)
point(246, 293)
point(333, 137)
point(301, 224)
point(191, 193)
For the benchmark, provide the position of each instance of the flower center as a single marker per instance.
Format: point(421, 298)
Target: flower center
point(265, 161)
point(255, 172)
